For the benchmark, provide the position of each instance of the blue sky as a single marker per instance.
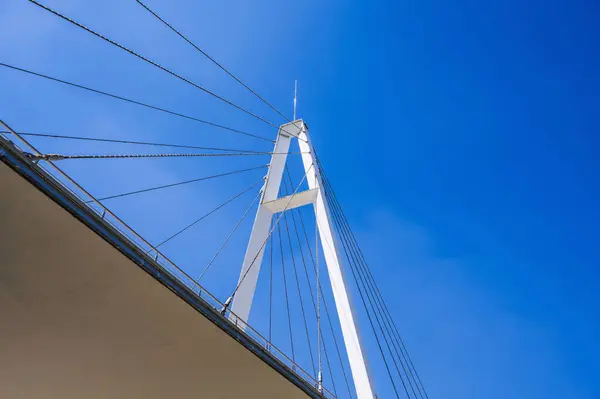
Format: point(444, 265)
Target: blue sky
point(461, 138)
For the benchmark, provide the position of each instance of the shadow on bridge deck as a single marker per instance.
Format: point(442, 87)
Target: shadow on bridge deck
point(79, 319)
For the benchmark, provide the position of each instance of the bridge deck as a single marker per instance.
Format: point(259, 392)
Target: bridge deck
point(83, 315)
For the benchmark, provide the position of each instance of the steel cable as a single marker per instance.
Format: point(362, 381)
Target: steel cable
point(210, 58)
point(149, 61)
point(208, 214)
point(380, 306)
point(228, 302)
point(86, 88)
point(374, 285)
point(287, 302)
point(176, 184)
point(229, 237)
point(383, 310)
point(310, 351)
point(335, 342)
point(105, 140)
point(61, 157)
point(368, 313)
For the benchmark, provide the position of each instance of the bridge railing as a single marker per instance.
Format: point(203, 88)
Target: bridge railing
point(90, 202)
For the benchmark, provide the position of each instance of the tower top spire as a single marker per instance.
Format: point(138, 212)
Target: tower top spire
point(295, 97)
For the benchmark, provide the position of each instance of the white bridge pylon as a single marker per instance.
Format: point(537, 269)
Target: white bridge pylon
point(269, 205)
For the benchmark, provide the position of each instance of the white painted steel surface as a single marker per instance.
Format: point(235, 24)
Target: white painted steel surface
point(260, 231)
point(292, 201)
point(269, 204)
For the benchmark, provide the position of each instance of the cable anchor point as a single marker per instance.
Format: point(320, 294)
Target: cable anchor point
point(44, 157)
point(226, 305)
point(320, 383)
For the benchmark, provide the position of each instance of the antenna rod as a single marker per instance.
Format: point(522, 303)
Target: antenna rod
point(295, 92)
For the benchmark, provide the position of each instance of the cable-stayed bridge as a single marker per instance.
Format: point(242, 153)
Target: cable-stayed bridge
point(98, 309)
